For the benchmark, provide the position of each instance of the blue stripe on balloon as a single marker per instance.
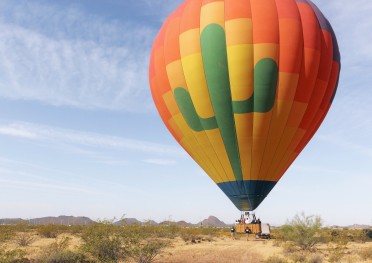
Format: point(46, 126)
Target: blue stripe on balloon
point(247, 195)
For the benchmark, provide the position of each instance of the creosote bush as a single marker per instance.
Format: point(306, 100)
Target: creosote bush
point(104, 242)
point(58, 252)
point(49, 231)
point(24, 239)
point(148, 250)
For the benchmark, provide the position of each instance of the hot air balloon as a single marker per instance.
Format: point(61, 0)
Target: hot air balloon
point(243, 85)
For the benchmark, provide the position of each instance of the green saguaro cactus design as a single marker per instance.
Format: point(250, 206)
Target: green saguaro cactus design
point(214, 53)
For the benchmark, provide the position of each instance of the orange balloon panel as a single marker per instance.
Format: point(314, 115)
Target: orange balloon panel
point(243, 86)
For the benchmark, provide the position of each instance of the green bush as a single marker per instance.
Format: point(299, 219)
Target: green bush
point(49, 231)
point(367, 233)
point(147, 251)
point(23, 239)
point(104, 242)
point(303, 231)
point(57, 252)
point(7, 232)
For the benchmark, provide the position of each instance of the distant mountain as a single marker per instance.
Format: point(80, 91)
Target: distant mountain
point(212, 221)
point(179, 223)
point(356, 226)
point(11, 221)
point(61, 220)
point(128, 221)
point(150, 222)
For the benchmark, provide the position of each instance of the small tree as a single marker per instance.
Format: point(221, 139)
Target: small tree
point(303, 231)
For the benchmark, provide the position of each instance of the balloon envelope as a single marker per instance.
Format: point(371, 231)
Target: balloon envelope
point(243, 85)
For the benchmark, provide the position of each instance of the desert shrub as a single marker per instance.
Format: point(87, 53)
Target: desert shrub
point(75, 229)
point(298, 257)
point(275, 259)
point(303, 231)
point(64, 256)
point(6, 232)
point(12, 256)
point(367, 233)
point(277, 243)
point(191, 235)
point(338, 236)
point(104, 242)
point(23, 239)
point(336, 254)
point(345, 235)
point(49, 231)
point(60, 244)
point(317, 258)
point(365, 254)
point(289, 247)
point(57, 252)
point(147, 251)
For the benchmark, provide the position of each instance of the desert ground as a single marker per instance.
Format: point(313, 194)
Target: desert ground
point(186, 246)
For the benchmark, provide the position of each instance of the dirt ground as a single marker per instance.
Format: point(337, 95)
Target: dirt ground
point(217, 250)
point(220, 251)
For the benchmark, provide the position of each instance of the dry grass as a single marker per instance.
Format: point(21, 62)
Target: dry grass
point(219, 248)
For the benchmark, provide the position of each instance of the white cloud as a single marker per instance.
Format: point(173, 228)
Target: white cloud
point(73, 59)
point(316, 169)
point(355, 146)
point(32, 185)
point(15, 132)
point(71, 137)
point(160, 161)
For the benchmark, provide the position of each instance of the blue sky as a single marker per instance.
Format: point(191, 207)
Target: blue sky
point(79, 134)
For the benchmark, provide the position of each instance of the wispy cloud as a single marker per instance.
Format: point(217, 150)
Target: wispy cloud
point(73, 58)
point(32, 186)
point(14, 131)
point(357, 147)
point(57, 135)
point(160, 161)
point(317, 169)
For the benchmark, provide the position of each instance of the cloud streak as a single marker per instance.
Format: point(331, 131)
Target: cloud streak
point(74, 59)
point(34, 185)
point(71, 137)
point(160, 161)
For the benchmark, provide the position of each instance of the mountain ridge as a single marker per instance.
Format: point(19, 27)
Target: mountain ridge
point(211, 221)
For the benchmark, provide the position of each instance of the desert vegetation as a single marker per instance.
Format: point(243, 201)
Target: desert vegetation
point(302, 239)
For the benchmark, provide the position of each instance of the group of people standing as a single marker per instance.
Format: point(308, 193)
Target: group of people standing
point(246, 218)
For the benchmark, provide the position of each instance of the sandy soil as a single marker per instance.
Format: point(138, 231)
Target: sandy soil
point(252, 251)
point(218, 250)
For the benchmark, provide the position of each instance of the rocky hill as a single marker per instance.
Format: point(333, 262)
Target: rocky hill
point(128, 221)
